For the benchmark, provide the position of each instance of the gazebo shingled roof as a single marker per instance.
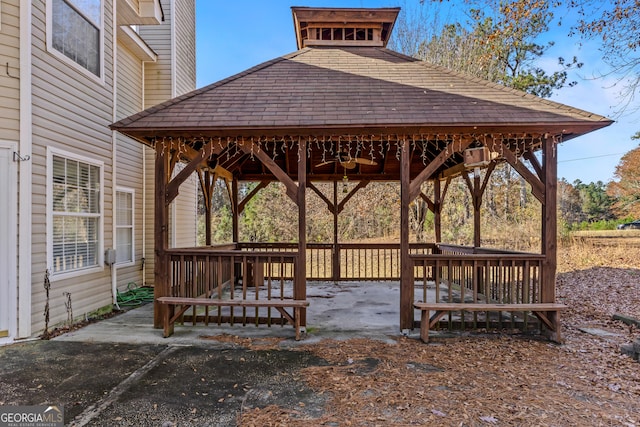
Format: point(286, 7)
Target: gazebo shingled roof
point(333, 91)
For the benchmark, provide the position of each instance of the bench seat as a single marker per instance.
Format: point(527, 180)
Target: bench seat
point(170, 315)
point(548, 313)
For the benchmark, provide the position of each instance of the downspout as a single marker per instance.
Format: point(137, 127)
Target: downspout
point(114, 144)
point(144, 214)
point(25, 171)
point(144, 180)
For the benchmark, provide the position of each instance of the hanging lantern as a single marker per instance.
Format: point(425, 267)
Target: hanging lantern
point(345, 181)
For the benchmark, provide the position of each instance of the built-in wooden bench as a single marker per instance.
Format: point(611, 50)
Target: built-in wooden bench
point(548, 313)
point(171, 315)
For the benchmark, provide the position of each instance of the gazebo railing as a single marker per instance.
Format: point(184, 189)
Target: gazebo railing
point(354, 261)
point(258, 277)
point(203, 272)
point(480, 278)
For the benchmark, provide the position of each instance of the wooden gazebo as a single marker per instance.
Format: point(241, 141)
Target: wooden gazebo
point(345, 104)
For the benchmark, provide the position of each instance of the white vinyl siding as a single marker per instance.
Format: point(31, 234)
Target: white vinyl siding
point(185, 47)
point(159, 86)
point(149, 219)
point(71, 113)
point(125, 229)
point(75, 215)
point(157, 75)
point(182, 213)
point(75, 30)
point(10, 84)
point(130, 159)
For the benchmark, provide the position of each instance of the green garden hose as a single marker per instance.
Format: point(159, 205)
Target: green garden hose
point(135, 295)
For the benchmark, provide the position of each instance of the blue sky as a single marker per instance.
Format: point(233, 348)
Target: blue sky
point(232, 36)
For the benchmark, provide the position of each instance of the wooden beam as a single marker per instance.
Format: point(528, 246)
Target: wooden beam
point(432, 167)
point(406, 265)
point(324, 198)
point(437, 210)
point(223, 173)
point(427, 200)
point(207, 184)
point(235, 233)
point(549, 219)
point(533, 160)
point(300, 282)
point(477, 204)
point(453, 171)
point(335, 258)
point(292, 188)
point(249, 196)
point(487, 175)
point(550, 230)
point(537, 187)
point(343, 202)
point(196, 161)
point(161, 233)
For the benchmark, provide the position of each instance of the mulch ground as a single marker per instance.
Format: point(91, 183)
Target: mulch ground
point(489, 379)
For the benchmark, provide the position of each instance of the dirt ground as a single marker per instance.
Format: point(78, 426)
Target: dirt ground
point(470, 380)
point(494, 379)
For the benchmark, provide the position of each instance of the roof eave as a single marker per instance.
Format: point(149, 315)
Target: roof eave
point(567, 130)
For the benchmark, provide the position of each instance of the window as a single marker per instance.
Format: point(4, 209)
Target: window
point(75, 217)
point(124, 226)
point(76, 31)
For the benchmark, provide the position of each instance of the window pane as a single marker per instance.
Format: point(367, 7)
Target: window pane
point(124, 211)
point(124, 224)
point(89, 8)
point(59, 170)
point(75, 193)
point(124, 246)
point(77, 35)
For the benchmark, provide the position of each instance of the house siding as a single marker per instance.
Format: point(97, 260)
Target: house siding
point(70, 111)
point(130, 157)
point(182, 221)
point(185, 46)
point(149, 197)
point(10, 81)
point(163, 81)
point(157, 75)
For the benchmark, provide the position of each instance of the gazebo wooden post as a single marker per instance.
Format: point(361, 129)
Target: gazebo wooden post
point(406, 267)
point(549, 229)
point(437, 211)
point(300, 282)
point(208, 193)
point(235, 213)
point(549, 224)
point(161, 232)
point(335, 253)
point(477, 203)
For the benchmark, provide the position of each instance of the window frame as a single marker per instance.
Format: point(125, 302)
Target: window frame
point(132, 193)
point(61, 56)
point(99, 266)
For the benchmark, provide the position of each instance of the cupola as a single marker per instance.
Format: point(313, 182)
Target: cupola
point(320, 26)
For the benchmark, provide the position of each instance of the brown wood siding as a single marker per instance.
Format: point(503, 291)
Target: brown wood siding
point(10, 55)
point(71, 112)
